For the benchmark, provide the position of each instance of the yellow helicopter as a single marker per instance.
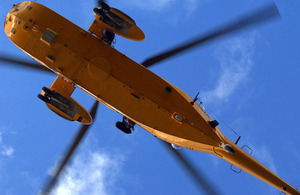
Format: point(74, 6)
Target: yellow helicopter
point(86, 59)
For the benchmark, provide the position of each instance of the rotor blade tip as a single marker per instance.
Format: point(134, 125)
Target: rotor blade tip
point(276, 10)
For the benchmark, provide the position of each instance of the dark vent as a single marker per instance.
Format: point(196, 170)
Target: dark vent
point(48, 36)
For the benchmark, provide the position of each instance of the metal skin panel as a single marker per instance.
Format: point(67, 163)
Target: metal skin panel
point(111, 77)
point(76, 111)
point(131, 30)
point(73, 52)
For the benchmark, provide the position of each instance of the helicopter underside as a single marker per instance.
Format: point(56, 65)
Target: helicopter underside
point(124, 85)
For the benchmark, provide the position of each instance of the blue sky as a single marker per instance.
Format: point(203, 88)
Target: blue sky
point(250, 80)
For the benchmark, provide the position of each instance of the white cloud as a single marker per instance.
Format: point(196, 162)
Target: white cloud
point(91, 173)
point(5, 150)
point(151, 4)
point(163, 5)
point(263, 155)
point(236, 61)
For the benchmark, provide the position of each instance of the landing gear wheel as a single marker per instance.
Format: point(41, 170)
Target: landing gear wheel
point(43, 98)
point(122, 127)
point(229, 149)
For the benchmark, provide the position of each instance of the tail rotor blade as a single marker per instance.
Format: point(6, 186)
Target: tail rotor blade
point(70, 152)
point(257, 17)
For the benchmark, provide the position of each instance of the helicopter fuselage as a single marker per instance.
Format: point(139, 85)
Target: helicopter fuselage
point(123, 85)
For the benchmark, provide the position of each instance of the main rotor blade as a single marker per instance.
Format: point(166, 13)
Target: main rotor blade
point(84, 128)
point(262, 15)
point(24, 64)
point(198, 177)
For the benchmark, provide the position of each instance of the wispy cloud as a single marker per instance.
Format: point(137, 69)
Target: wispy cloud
point(91, 173)
point(164, 5)
point(5, 150)
point(236, 60)
point(263, 154)
point(152, 4)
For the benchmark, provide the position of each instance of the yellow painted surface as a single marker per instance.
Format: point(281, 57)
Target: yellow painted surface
point(65, 88)
point(123, 85)
point(135, 33)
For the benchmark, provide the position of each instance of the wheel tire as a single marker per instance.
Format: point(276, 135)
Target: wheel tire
point(229, 149)
point(123, 127)
point(43, 98)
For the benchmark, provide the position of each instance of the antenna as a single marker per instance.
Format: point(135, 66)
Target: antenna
point(195, 99)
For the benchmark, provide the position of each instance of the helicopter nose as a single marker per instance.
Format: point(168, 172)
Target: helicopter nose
point(8, 24)
point(11, 25)
point(13, 20)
